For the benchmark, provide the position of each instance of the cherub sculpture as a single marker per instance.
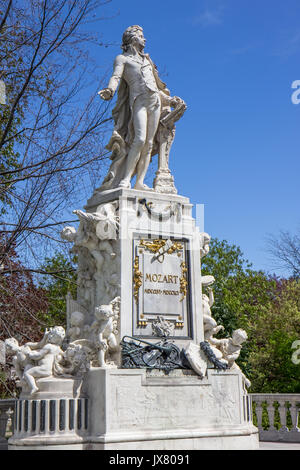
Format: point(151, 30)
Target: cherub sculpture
point(231, 347)
point(20, 357)
point(43, 358)
point(204, 244)
point(76, 328)
point(75, 361)
point(103, 330)
point(226, 350)
point(211, 327)
point(86, 237)
point(105, 221)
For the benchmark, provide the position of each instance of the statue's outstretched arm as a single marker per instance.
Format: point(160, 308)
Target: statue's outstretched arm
point(40, 344)
point(37, 355)
point(108, 93)
point(82, 215)
point(89, 216)
point(211, 297)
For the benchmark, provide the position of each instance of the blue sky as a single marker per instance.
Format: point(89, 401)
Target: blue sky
point(237, 147)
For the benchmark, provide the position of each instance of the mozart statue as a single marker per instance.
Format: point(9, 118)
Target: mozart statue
point(143, 107)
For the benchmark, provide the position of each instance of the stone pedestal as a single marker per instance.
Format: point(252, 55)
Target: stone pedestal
point(135, 409)
point(164, 182)
point(154, 267)
point(152, 284)
point(55, 417)
point(138, 409)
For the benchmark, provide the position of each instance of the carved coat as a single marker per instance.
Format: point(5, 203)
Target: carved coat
point(123, 133)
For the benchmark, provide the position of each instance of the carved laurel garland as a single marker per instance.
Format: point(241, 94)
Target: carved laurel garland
point(205, 346)
point(155, 245)
point(137, 278)
point(183, 281)
point(173, 209)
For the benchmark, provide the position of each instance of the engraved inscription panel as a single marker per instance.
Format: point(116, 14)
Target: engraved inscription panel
point(161, 285)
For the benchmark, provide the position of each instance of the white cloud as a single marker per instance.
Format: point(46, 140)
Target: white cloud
point(210, 17)
point(288, 46)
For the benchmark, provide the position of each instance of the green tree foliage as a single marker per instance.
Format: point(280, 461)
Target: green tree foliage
point(267, 308)
point(227, 264)
point(273, 332)
point(62, 280)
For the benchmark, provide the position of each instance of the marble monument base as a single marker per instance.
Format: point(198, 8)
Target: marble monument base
point(136, 409)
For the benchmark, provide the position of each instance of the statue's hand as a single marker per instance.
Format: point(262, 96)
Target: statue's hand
point(102, 344)
point(106, 94)
point(175, 101)
point(247, 383)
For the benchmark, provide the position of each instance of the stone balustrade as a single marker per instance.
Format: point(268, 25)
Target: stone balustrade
point(277, 416)
point(6, 416)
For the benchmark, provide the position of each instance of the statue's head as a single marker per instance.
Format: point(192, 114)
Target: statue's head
point(11, 345)
point(74, 352)
point(103, 312)
point(133, 36)
point(76, 319)
point(239, 337)
point(68, 233)
point(206, 238)
point(56, 335)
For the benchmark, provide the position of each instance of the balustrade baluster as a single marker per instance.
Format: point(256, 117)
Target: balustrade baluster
point(259, 411)
point(283, 414)
point(294, 410)
point(2, 424)
point(271, 414)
